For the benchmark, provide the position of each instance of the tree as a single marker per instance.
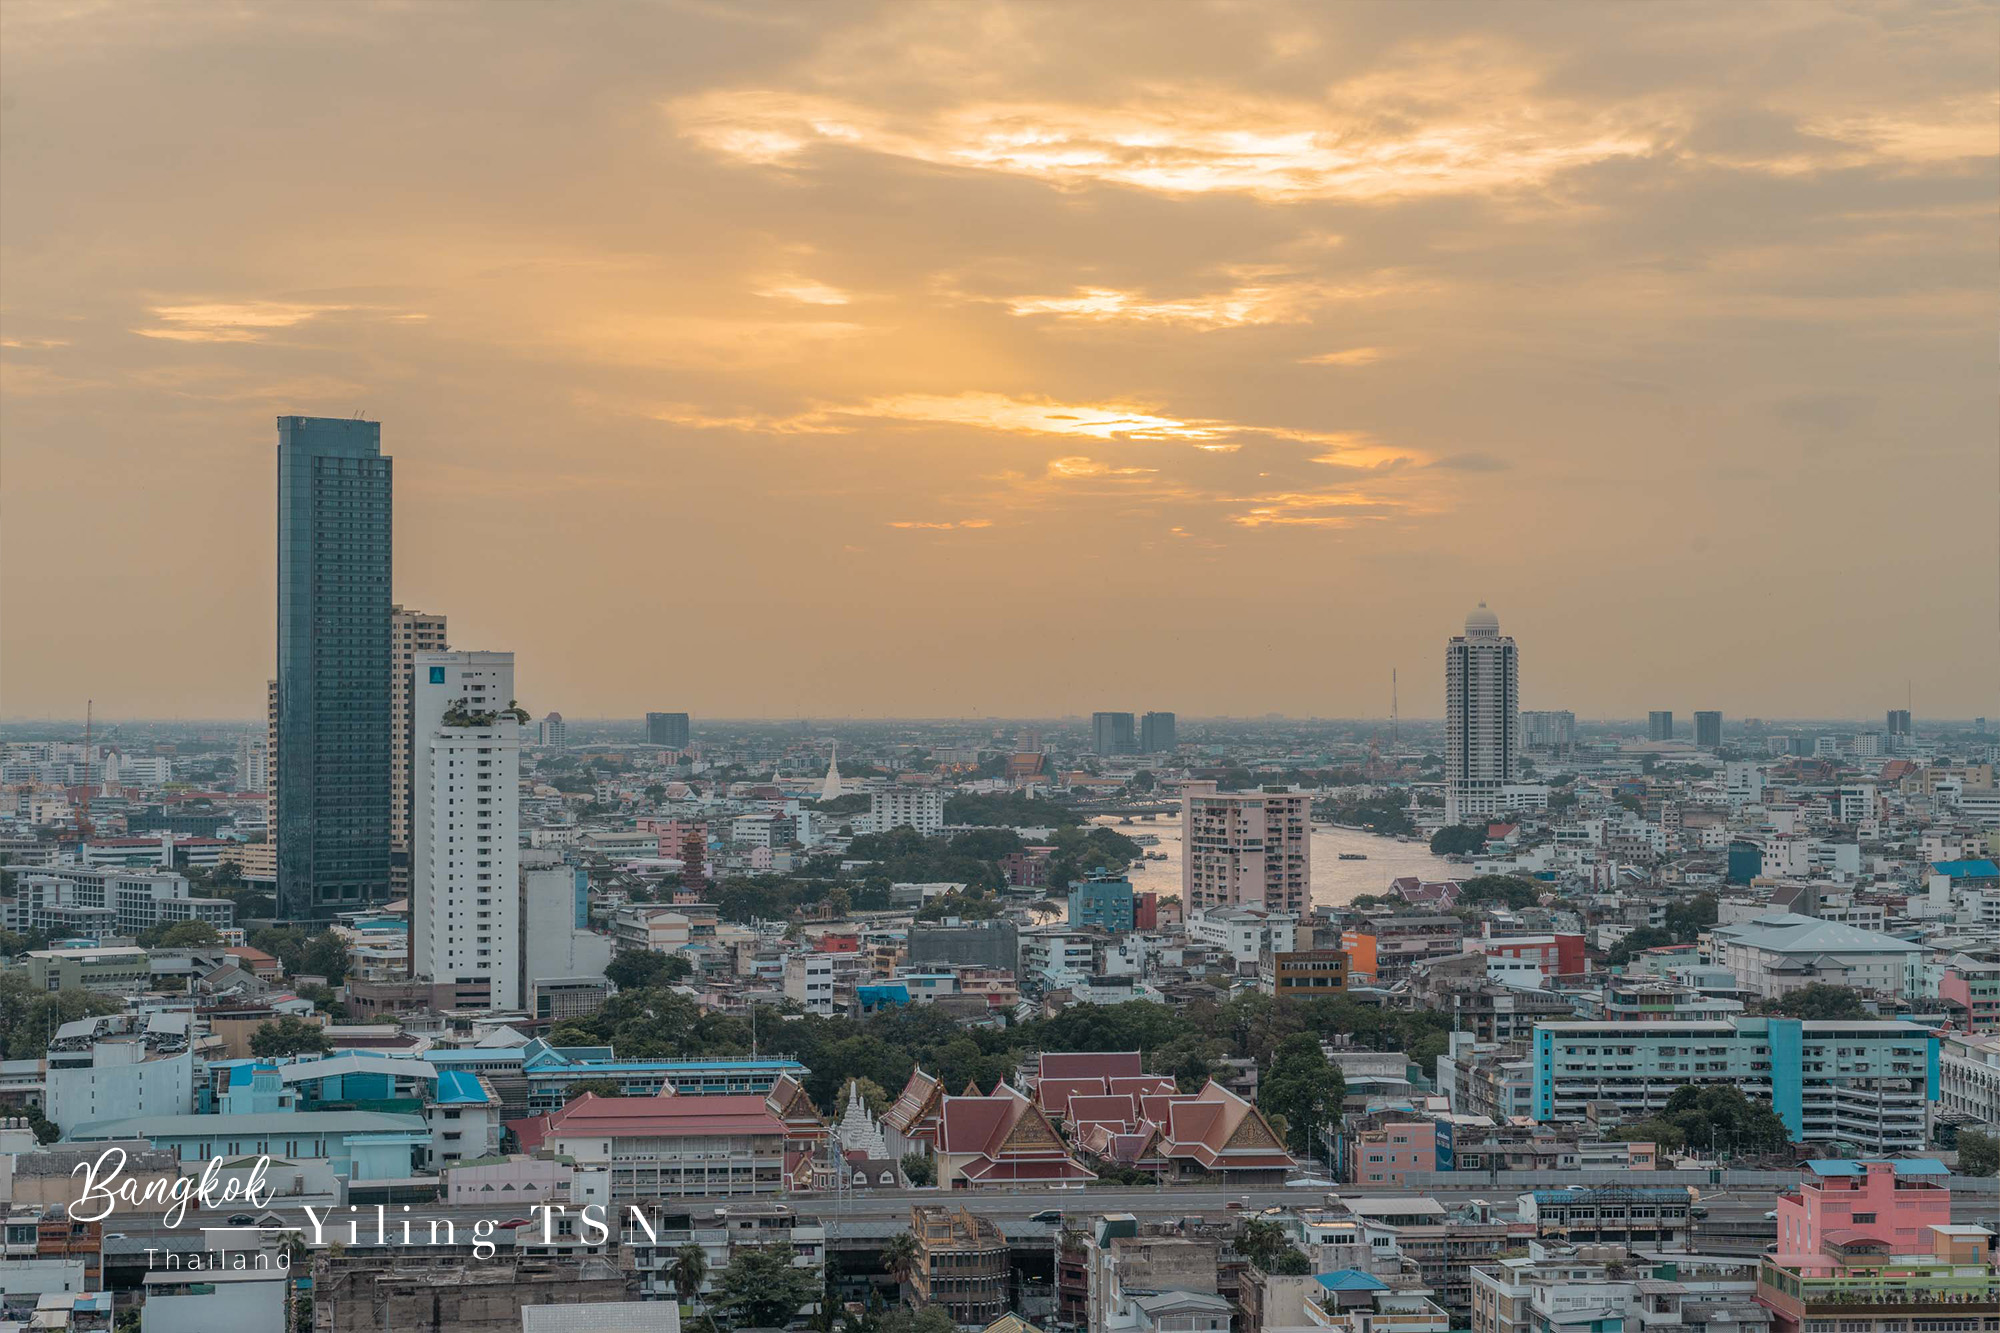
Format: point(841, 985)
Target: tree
point(930, 1319)
point(1261, 1241)
point(919, 1169)
point(179, 935)
point(967, 907)
point(324, 1000)
point(1291, 1262)
point(1978, 1154)
point(1507, 890)
point(1699, 1116)
point(1687, 920)
point(1304, 1088)
point(11, 943)
point(603, 1087)
point(1821, 1002)
point(1458, 839)
point(762, 1289)
point(289, 1035)
point(1079, 852)
point(45, 1130)
point(900, 1257)
point(29, 1017)
point(873, 1096)
point(641, 969)
point(690, 1270)
point(1637, 942)
point(324, 955)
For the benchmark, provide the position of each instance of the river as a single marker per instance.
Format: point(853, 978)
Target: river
point(1334, 882)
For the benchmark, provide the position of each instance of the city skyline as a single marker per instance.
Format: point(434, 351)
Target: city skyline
point(940, 361)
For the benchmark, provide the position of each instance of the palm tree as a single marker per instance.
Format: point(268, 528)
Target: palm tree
point(294, 1249)
point(900, 1257)
point(690, 1270)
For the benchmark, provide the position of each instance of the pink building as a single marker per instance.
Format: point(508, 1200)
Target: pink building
point(1892, 1203)
point(1976, 987)
point(1383, 1156)
point(1245, 848)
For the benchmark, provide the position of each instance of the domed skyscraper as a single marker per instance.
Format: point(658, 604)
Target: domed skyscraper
point(1482, 713)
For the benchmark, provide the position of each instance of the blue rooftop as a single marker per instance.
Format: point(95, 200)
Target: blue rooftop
point(456, 1087)
point(1912, 1166)
point(1351, 1279)
point(1967, 869)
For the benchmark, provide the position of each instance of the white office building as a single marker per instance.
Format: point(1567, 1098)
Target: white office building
point(921, 808)
point(1482, 711)
point(465, 917)
point(557, 943)
point(809, 982)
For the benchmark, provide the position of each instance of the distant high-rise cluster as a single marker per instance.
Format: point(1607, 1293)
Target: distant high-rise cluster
point(1482, 719)
point(668, 729)
point(1111, 733)
point(1550, 729)
point(334, 696)
point(1115, 733)
point(1660, 724)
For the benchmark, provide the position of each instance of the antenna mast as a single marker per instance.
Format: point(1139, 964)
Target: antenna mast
point(1392, 708)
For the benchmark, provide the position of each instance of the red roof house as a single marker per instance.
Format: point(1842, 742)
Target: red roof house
point(1217, 1131)
point(1001, 1139)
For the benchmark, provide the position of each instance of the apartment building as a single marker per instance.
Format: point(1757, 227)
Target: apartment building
point(962, 1264)
point(1870, 1083)
point(920, 808)
point(1246, 849)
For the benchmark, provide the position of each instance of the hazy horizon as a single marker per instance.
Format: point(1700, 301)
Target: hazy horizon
point(987, 359)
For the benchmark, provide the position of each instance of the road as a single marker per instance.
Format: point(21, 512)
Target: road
point(1010, 1209)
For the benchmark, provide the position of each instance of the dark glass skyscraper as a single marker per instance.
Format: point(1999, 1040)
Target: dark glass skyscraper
point(668, 729)
point(1708, 729)
point(1156, 733)
point(334, 723)
point(1111, 733)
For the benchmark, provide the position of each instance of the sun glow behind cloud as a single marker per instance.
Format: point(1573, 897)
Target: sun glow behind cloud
point(1220, 142)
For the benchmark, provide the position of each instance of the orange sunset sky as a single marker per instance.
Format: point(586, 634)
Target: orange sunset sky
point(966, 359)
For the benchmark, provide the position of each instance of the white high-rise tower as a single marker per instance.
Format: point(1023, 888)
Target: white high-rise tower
point(465, 918)
point(1482, 717)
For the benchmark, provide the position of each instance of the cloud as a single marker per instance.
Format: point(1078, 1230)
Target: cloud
point(1368, 140)
point(249, 321)
point(1276, 302)
point(1311, 510)
point(230, 322)
point(953, 525)
point(1353, 356)
point(34, 344)
point(1076, 467)
point(804, 291)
